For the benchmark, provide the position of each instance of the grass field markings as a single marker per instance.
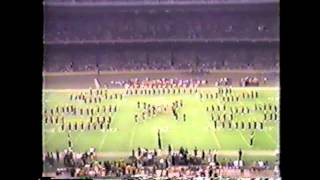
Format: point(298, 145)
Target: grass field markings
point(270, 137)
point(102, 141)
point(133, 133)
point(216, 139)
point(243, 138)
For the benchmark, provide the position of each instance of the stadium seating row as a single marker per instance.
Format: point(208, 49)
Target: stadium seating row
point(86, 58)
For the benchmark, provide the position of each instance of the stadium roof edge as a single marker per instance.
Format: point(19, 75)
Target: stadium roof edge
point(152, 4)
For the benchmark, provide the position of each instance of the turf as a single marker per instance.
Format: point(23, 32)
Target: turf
point(196, 131)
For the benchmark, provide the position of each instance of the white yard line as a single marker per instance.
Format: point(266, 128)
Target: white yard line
point(102, 141)
point(272, 140)
point(243, 138)
point(216, 139)
point(132, 136)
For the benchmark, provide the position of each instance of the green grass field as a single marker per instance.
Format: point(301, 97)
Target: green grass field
point(196, 131)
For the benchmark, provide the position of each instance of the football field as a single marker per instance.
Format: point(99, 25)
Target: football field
point(197, 131)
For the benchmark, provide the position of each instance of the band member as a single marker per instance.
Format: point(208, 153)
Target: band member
point(138, 104)
point(215, 124)
point(46, 119)
point(252, 136)
point(136, 118)
point(109, 119)
point(159, 139)
point(184, 117)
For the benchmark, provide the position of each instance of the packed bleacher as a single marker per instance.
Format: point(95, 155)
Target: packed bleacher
point(145, 57)
point(117, 26)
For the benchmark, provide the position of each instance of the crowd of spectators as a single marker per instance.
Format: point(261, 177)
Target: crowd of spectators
point(108, 59)
point(117, 26)
point(169, 163)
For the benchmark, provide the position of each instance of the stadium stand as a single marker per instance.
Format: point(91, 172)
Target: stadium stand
point(170, 32)
point(153, 57)
point(113, 26)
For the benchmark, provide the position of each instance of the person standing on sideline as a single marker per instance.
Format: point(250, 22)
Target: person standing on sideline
point(159, 139)
point(240, 154)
